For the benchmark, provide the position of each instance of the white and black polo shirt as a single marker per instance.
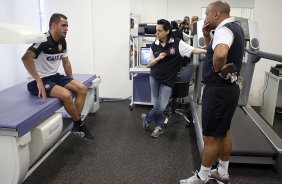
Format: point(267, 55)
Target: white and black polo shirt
point(165, 71)
point(49, 55)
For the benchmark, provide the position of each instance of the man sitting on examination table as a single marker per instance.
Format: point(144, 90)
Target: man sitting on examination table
point(42, 61)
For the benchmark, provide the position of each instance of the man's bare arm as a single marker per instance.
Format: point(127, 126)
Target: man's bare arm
point(30, 67)
point(67, 67)
point(220, 57)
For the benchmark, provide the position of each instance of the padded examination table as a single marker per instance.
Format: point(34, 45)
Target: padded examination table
point(20, 111)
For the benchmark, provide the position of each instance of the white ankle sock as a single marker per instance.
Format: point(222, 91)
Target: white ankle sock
point(222, 167)
point(204, 172)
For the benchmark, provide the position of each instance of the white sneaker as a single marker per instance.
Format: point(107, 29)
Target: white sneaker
point(219, 179)
point(157, 132)
point(193, 180)
point(145, 123)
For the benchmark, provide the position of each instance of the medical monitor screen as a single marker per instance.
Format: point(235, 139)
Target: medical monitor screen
point(144, 55)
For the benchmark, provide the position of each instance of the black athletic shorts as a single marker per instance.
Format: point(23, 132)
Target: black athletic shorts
point(49, 82)
point(218, 106)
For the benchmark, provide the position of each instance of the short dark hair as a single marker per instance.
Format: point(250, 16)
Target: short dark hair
point(55, 18)
point(166, 25)
point(221, 6)
point(174, 24)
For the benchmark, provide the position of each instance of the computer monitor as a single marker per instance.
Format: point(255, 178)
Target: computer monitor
point(144, 55)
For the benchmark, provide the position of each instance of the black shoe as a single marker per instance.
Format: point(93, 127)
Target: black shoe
point(76, 130)
point(87, 133)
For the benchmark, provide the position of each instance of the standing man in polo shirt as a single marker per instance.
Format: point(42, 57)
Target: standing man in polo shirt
point(221, 93)
point(42, 61)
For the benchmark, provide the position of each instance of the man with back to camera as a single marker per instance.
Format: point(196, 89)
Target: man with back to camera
point(221, 93)
point(42, 61)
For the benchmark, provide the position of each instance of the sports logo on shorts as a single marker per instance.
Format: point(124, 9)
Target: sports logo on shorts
point(47, 86)
point(172, 51)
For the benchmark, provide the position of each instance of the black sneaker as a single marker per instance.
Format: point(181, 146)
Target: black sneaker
point(76, 130)
point(87, 133)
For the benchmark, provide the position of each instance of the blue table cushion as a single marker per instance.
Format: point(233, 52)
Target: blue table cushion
point(21, 111)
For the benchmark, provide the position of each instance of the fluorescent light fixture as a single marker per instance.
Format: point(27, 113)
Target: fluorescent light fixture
point(14, 33)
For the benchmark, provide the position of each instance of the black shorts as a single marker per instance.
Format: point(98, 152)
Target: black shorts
point(218, 106)
point(49, 82)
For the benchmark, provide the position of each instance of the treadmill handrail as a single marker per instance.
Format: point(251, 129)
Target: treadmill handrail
point(265, 55)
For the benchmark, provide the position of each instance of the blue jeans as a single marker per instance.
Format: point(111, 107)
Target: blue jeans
point(160, 95)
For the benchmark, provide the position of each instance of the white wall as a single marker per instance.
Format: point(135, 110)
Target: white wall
point(151, 11)
point(80, 35)
point(97, 40)
point(98, 35)
point(17, 12)
point(111, 41)
point(267, 14)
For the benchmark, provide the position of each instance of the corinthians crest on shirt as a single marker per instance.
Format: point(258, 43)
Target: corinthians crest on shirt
point(172, 51)
point(60, 47)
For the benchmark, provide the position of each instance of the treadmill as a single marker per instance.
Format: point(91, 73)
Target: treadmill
point(253, 141)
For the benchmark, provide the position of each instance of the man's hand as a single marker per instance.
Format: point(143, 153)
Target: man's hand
point(41, 89)
point(206, 29)
point(229, 71)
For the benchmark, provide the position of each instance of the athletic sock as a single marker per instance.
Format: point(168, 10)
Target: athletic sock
point(204, 172)
point(222, 167)
point(79, 122)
